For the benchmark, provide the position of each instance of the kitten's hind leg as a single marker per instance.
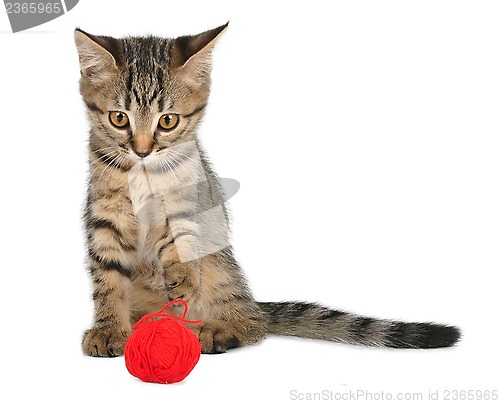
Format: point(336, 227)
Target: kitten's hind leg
point(218, 336)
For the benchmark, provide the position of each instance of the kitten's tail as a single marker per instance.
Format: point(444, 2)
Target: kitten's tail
point(309, 320)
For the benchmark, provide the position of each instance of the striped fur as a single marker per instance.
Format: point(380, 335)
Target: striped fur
point(136, 266)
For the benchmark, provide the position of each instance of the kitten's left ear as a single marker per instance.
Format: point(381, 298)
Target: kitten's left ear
point(192, 54)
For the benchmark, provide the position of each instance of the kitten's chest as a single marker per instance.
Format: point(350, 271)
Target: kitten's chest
point(148, 208)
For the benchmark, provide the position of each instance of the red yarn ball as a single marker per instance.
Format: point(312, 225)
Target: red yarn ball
point(162, 351)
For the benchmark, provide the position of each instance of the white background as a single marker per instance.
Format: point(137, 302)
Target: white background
point(365, 135)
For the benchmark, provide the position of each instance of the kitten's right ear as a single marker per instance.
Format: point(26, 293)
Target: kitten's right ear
point(97, 61)
point(192, 54)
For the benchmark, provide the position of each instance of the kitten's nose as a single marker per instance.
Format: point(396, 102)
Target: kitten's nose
point(142, 143)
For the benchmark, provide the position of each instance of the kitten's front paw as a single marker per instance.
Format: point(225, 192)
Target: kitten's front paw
point(106, 342)
point(182, 281)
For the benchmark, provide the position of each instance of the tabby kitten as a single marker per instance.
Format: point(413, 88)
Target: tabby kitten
point(155, 218)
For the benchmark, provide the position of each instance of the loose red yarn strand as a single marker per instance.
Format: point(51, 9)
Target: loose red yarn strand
point(160, 313)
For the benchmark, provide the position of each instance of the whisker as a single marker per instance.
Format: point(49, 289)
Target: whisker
point(171, 168)
point(180, 154)
point(109, 165)
point(104, 149)
point(103, 162)
point(185, 169)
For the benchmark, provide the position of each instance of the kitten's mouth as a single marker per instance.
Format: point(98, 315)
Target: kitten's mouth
point(142, 154)
point(138, 156)
point(151, 161)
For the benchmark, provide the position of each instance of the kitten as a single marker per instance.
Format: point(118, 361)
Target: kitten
point(155, 218)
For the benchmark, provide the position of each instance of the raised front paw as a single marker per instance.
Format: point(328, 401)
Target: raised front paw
point(182, 281)
point(106, 342)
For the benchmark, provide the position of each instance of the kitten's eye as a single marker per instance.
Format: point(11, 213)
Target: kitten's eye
point(168, 121)
point(118, 119)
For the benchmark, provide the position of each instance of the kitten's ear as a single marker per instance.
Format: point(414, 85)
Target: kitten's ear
point(99, 56)
point(192, 54)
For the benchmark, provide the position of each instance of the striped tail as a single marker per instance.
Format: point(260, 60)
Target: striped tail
point(310, 320)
